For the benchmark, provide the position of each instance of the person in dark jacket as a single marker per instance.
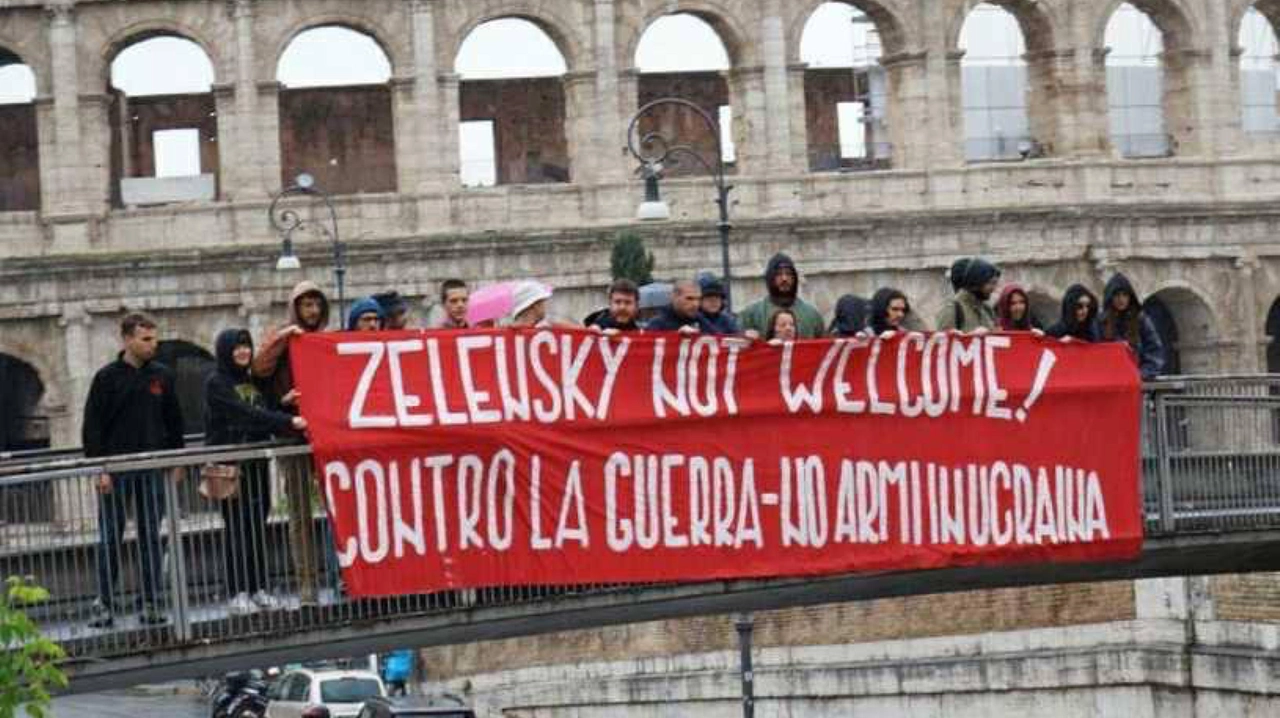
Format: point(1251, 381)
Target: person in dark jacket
point(1123, 320)
point(395, 310)
point(1079, 316)
point(132, 407)
point(851, 316)
point(238, 411)
point(624, 307)
point(684, 312)
point(782, 279)
point(1013, 310)
point(889, 311)
point(715, 306)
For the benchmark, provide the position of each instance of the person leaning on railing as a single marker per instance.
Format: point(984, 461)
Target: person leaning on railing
point(132, 407)
point(238, 410)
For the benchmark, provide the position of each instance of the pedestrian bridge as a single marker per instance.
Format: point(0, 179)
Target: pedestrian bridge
point(1211, 489)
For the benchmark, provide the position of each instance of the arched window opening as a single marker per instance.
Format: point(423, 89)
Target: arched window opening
point(512, 106)
point(1259, 76)
point(1135, 85)
point(19, 139)
point(164, 123)
point(335, 112)
point(681, 55)
point(845, 90)
point(23, 427)
point(994, 86)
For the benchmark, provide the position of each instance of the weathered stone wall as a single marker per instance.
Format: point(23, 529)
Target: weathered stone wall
point(19, 159)
point(530, 146)
point(341, 136)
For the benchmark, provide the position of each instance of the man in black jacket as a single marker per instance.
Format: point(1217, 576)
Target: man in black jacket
point(132, 407)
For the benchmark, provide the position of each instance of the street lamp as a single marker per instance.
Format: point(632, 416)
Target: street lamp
point(654, 151)
point(287, 221)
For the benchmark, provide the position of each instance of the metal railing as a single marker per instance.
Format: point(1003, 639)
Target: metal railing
point(172, 573)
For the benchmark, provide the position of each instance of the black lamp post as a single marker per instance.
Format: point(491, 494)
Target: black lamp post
point(287, 221)
point(653, 151)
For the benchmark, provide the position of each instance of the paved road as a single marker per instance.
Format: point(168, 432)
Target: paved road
point(124, 704)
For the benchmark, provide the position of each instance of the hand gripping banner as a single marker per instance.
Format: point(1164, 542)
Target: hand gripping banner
point(533, 457)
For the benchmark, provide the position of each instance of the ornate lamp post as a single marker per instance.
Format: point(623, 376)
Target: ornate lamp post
point(287, 221)
point(654, 151)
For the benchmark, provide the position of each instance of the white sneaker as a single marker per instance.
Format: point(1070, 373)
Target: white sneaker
point(241, 605)
point(266, 601)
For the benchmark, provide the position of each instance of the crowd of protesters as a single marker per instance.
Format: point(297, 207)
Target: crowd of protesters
point(132, 405)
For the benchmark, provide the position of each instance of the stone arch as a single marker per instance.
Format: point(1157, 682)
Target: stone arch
point(1270, 9)
point(728, 26)
point(573, 48)
point(9, 56)
point(54, 395)
point(151, 29)
point(1273, 338)
point(1177, 26)
point(884, 14)
point(22, 394)
point(1255, 116)
point(1039, 27)
point(1188, 326)
point(396, 56)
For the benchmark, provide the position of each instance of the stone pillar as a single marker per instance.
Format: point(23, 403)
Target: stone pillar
point(750, 119)
point(1253, 311)
point(451, 120)
point(579, 127)
point(74, 505)
point(799, 128)
point(67, 193)
point(266, 137)
point(612, 107)
point(1189, 118)
point(908, 106)
point(777, 93)
point(418, 110)
point(240, 149)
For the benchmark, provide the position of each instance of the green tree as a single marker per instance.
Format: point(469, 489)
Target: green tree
point(630, 261)
point(28, 660)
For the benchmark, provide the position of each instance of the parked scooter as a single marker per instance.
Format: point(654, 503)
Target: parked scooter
point(243, 695)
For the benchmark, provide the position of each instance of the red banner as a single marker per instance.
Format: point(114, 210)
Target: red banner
point(453, 460)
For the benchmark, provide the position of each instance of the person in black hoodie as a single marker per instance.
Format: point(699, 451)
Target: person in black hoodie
point(782, 280)
point(1079, 315)
point(132, 407)
point(889, 311)
point(851, 316)
point(1123, 320)
point(238, 411)
point(715, 306)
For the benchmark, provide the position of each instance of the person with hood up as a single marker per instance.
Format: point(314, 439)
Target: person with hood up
point(654, 296)
point(132, 407)
point(395, 310)
point(308, 312)
point(889, 312)
point(1079, 316)
point(238, 411)
point(851, 316)
point(975, 282)
point(1123, 320)
point(782, 279)
point(365, 315)
point(684, 312)
point(1013, 310)
point(714, 306)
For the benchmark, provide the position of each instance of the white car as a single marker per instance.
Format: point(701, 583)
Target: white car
point(299, 694)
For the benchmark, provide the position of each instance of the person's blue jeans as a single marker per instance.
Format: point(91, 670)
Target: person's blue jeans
point(144, 490)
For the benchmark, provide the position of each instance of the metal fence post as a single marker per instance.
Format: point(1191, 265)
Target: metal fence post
point(177, 557)
point(1164, 475)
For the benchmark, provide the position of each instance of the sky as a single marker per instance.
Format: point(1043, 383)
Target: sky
point(837, 35)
